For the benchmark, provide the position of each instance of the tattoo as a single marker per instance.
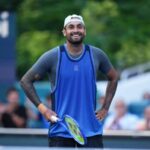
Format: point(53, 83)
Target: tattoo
point(27, 85)
point(111, 89)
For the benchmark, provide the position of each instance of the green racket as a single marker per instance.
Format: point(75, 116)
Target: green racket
point(72, 127)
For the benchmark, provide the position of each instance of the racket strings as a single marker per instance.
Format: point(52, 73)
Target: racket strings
point(75, 130)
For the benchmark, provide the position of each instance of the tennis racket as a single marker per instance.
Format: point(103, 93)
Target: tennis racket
point(72, 127)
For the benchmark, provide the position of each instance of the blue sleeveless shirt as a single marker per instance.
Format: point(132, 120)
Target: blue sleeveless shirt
point(75, 93)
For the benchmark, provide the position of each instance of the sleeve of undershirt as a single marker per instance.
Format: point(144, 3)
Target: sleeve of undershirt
point(101, 60)
point(44, 64)
point(105, 64)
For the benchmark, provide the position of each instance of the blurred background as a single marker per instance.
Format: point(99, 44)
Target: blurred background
point(28, 28)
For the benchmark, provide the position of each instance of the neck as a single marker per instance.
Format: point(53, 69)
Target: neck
point(74, 48)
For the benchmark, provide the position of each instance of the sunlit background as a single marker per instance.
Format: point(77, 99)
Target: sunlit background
point(28, 28)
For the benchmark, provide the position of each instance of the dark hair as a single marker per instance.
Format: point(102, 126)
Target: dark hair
point(10, 90)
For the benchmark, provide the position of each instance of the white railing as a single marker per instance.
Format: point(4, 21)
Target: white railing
point(136, 70)
point(132, 133)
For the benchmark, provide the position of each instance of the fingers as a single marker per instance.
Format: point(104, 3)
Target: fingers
point(48, 114)
point(52, 116)
point(100, 115)
point(53, 113)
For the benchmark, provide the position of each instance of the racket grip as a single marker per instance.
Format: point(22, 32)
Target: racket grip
point(54, 118)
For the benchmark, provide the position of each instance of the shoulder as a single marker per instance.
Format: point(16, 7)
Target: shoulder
point(49, 56)
point(100, 55)
point(97, 51)
point(95, 48)
point(51, 52)
point(46, 60)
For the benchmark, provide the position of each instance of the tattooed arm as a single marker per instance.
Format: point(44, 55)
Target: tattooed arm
point(28, 87)
point(111, 88)
point(110, 91)
point(41, 67)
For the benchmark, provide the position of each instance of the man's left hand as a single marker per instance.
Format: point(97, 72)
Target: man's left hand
point(101, 114)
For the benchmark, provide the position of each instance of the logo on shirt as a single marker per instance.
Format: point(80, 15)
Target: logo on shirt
point(76, 68)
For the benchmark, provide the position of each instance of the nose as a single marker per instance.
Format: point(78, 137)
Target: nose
point(75, 29)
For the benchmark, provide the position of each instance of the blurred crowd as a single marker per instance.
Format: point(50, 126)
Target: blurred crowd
point(133, 116)
point(13, 114)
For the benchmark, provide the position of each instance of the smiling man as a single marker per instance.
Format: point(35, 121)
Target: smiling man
point(72, 70)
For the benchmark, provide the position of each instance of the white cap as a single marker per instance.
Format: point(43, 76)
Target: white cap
point(73, 18)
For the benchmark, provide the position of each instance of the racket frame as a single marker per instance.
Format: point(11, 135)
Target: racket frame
point(64, 124)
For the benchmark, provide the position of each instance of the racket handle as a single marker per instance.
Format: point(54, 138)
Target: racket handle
point(54, 118)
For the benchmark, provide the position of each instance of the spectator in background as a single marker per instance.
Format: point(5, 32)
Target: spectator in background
point(14, 115)
point(121, 119)
point(144, 124)
point(146, 96)
point(138, 107)
point(2, 109)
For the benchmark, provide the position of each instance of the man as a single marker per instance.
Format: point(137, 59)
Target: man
point(144, 123)
point(72, 71)
point(121, 119)
point(14, 115)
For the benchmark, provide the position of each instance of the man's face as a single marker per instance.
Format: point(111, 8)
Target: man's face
point(74, 32)
point(13, 97)
point(120, 108)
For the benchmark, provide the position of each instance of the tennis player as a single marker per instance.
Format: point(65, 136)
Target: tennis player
point(72, 69)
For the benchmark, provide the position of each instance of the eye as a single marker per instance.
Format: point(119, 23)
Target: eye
point(70, 27)
point(80, 26)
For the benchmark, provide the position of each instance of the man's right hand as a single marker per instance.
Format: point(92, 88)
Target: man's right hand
point(46, 112)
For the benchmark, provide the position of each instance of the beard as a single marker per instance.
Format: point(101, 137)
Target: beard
point(75, 41)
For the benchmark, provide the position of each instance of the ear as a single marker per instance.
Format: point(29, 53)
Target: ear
point(64, 32)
